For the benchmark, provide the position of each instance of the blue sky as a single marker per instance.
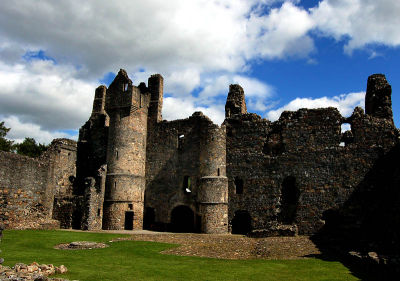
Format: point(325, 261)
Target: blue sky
point(285, 54)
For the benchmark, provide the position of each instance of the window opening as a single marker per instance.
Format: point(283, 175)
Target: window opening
point(219, 172)
point(130, 206)
point(347, 134)
point(186, 185)
point(98, 212)
point(345, 127)
point(181, 139)
point(239, 185)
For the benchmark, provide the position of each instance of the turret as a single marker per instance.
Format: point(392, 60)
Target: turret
point(378, 101)
point(155, 87)
point(235, 103)
point(127, 108)
point(213, 189)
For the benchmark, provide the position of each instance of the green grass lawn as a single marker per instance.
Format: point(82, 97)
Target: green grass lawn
point(133, 260)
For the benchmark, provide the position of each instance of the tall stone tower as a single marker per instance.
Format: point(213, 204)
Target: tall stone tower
point(127, 107)
point(213, 189)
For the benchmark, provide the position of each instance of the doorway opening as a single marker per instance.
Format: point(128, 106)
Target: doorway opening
point(241, 222)
point(182, 219)
point(128, 220)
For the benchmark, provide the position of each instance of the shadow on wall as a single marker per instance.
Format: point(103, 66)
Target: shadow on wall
point(365, 234)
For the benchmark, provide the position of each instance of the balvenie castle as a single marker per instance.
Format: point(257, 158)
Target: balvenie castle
point(130, 169)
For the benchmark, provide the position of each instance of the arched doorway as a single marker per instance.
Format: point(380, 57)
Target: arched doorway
point(182, 219)
point(241, 222)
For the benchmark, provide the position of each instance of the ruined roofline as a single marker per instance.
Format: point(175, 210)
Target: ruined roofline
point(196, 114)
point(378, 103)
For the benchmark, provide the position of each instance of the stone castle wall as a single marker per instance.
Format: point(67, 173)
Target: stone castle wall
point(134, 170)
point(28, 185)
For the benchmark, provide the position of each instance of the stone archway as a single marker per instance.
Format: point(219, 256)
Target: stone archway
point(182, 219)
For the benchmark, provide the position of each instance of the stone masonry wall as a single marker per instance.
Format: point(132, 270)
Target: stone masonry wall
point(173, 157)
point(295, 169)
point(23, 184)
point(28, 186)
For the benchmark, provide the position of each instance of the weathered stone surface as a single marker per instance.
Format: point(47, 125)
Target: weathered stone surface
point(28, 186)
point(33, 271)
point(81, 245)
point(297, 174)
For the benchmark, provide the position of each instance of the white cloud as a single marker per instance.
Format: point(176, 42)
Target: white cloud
point(45, 94)
point(165, 36)
point(198, 44)
point(344, 103)
point(282, 33)
point(174, 108)
point(19, 131)
point(363, 22)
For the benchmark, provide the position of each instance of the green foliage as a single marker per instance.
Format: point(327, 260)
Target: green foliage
point(5, 144)
point(135, 260)
point(30, 148)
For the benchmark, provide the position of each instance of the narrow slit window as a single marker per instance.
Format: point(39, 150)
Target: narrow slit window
point(130, 206)
point(98, 212)
point(186, 185)
point(181, 139)
point(219, 172)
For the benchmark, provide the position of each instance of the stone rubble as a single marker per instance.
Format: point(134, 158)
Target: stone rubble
point(33, 271)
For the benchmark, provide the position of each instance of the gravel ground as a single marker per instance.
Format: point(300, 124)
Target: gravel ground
point(233, 246)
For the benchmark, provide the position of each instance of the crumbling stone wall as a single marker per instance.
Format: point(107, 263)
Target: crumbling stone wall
point(305, 152)
point(28, 185)
point(186, 167)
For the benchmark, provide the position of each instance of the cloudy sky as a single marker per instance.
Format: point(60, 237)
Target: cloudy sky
point(285, 54)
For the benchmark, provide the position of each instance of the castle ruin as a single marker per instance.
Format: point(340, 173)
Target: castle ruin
point(130, 169)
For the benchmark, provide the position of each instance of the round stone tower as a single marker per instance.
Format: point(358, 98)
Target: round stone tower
point(213, 188)
point(126, 155)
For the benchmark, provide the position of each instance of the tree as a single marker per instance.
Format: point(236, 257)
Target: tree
point(5, 144)
point(30, 148)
